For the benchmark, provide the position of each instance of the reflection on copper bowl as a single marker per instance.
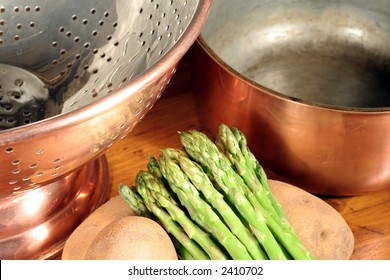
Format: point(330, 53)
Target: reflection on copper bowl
point(75, 77)
point(308, 82)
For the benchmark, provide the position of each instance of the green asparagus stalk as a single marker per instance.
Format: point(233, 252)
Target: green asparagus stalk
point(253, 164)
point(206, 153)
point(200, 180)
point(188, 248)
point(173, 153)
point(134, 201)
point(149, 187)
point(200, 210)
point(182, 252)
point(227, 144)
point(175, 177)
point(277, 223)
point(154, 168)
point(153, 183)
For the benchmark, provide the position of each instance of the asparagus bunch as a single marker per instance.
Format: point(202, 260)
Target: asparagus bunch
point(202, 150)
point(203, 213)
point(257, 184)
point(214, 200)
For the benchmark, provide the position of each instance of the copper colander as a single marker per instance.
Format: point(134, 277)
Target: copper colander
point(75, 76)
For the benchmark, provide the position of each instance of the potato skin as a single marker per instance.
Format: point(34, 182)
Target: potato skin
point(78, 242)
point(322, 229)
point(132, 238)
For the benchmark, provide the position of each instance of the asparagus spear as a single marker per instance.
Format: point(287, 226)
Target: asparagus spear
point(228, 144)
point(200, 210)
point(253, 164)
point(149, 187)
point(154, 169)
point(205, 152)
point(187, 248)
point(276, 222)
point(182, 252)
point(134, 201)
point(175, 177)
point(173, 153)
point(200, 180)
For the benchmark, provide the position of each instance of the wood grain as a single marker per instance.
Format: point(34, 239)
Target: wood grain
point(367, 215)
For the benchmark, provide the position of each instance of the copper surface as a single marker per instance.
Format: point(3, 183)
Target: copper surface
point(43, 162)
point(36, 223)
point(323, 150)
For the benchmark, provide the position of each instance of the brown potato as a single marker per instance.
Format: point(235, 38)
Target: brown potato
point(78, 242)
point(132, 238)
point(320, 227)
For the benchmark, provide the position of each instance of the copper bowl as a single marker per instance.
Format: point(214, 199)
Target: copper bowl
point(75, 77)
point(307, 82)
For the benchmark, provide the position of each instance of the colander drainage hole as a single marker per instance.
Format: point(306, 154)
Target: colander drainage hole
point(23, 97)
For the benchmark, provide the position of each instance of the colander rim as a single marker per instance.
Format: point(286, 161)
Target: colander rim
point(106, 103)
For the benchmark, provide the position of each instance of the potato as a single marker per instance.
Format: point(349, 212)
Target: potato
point(78, 242)
point(132, 238)
point(320, 227)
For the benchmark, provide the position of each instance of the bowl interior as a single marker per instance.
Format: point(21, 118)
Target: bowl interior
point(58, 57)
point(333, 53)
point(77, 76)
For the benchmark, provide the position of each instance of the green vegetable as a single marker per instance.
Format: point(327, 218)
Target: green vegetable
point(214, 200)
point(200, 180)
point(148, 186)
point(266, 203)
point(200, 210)
point(134, 200)
point(190, 247)
point(182, 252)
point(202, 150)
point(253, 164)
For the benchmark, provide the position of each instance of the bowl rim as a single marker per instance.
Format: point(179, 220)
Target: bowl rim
point(202, 42)
point(166, 63)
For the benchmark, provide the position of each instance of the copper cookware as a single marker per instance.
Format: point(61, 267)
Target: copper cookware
point(76, 76)
point(308, 82)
